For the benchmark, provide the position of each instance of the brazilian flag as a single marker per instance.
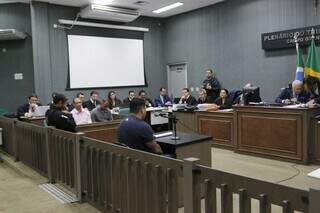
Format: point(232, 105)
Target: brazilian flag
point(312, 67)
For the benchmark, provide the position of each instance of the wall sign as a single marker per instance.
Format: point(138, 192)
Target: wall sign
point(285, 39)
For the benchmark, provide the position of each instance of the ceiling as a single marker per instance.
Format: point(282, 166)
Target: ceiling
point(145, 9)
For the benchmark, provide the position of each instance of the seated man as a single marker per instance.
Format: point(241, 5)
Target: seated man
point(163, 99)
point(135, 132)
point(186, 98)
point(143, 96)
point(29, 108)
point(93, 102)
point(80, 115)
point(102, 112)
point(131, 96)
point(203, 98)
point(294, 95)
point(58, 117)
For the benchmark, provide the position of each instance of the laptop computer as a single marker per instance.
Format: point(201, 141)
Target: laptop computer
point(40, 111)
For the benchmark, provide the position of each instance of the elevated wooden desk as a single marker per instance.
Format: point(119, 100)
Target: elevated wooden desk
point(218, 124)
point(276, 132)
point(273, 132)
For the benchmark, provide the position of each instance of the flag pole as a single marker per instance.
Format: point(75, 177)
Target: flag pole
point(313, 32)
point(296, 35)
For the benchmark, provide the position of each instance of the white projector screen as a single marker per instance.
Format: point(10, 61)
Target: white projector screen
point(97, 62)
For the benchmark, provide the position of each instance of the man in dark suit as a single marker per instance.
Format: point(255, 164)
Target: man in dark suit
point(186, 98)
point(29, 108)
point(143, 96)
point(163, 99)
point(293, 95)
point(211, 84)
point(131, 95)
point(93, 102)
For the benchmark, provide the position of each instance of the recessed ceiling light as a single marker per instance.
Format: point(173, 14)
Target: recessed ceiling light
point(169, 7)
point(102, 2)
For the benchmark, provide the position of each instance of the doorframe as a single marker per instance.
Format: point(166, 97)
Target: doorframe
point(169, 76)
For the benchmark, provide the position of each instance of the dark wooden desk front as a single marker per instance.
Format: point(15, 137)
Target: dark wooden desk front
point(272, 132)
point(275, 132)
point(218, 125)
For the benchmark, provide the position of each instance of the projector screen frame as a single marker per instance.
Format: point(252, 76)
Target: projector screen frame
point(114, 33)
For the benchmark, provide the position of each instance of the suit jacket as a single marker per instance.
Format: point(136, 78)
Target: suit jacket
point(126, 102)
point(89, 105)
point(158, 102)
point(215, 87)
point(24, 109)
point(226, 105)
point(287, 93)
point(190, 101)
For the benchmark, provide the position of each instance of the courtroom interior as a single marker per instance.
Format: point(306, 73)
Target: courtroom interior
point(159, 106)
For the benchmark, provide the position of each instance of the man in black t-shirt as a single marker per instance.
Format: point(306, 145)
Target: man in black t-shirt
point(135, 132)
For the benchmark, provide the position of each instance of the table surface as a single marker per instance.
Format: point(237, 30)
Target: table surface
point(185, 139)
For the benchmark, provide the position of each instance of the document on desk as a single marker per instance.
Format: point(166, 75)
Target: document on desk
point(225, 110)
point(315, 174)
point(295, 106)
point(161, 135)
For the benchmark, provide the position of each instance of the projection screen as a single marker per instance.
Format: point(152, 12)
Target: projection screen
point(98, 62)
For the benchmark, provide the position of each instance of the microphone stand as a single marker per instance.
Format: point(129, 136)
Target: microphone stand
point(174, 121)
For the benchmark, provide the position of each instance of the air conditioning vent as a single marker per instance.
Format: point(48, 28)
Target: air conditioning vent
point(11, 34)
point(108, 13)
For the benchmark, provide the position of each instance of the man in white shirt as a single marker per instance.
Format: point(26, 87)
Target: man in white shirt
point(80, 115)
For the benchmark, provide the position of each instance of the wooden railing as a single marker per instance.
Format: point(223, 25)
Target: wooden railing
point(105, 131)
point(30, 140)
point(7, 125)
point(120, 179)
point(202, 183)
point(64, 160)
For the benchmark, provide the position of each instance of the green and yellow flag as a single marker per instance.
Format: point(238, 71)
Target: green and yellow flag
point(312, 67)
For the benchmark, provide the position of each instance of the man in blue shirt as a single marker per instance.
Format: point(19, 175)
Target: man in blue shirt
point(135, 132)
point(163, 99)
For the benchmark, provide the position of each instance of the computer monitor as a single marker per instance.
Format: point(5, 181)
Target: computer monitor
point(251, 94)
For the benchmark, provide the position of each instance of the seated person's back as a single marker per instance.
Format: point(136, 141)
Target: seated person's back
point(101, 113)
point(56, 116)
point(135, 132)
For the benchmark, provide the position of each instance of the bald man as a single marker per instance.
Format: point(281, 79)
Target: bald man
point(293, 95)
